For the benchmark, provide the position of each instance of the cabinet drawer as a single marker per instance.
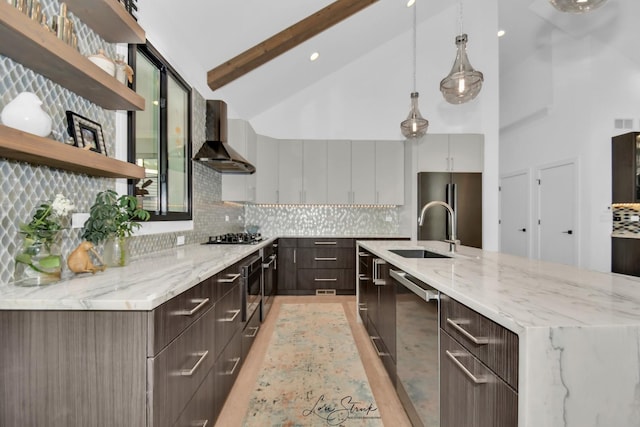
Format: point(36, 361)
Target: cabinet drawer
point(494, 345)
point(200, 410)
point(325, 258)
point(228, 319)
point(325, 242)
point(326, 278)
point(470, 393)
point(177, 371)
point(249, 333)
point(287, 243)
point(226, 370)
point(171, 318)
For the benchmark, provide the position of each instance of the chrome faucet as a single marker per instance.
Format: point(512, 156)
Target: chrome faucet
point(452, 239)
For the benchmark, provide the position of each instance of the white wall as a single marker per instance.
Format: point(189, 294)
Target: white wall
point(591, 85)
point(370, 97)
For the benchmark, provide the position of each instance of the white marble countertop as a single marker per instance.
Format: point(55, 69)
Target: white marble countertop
point(144, 284)
point(521, 293)
point(578, 330)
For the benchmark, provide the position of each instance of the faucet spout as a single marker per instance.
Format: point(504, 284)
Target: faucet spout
point(453, 241)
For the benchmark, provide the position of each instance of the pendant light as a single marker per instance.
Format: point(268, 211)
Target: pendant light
point(463, 82)
point(577, 6)
point(415, 125)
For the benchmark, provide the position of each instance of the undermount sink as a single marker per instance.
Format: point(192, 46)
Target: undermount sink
point(417, 253)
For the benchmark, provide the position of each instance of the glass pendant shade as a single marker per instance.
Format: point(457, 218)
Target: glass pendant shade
point(415, 126)
point(463, 82)
point(577, 6)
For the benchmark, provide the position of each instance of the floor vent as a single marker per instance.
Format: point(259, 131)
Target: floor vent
point(325, 291)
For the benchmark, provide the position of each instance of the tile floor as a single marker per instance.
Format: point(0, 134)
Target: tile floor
point(238, 401)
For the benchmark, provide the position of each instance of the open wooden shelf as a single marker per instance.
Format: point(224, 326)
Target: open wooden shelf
point(32, 45)
point(109, 19)
point(18, 145)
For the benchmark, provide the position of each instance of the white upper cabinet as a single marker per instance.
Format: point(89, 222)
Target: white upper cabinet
point(290, 164)
point(243, 139)
point(363, 172)
point(314, 172)
point(267, 170)
point(339, 172)
point(389, 182)
point(451, 153)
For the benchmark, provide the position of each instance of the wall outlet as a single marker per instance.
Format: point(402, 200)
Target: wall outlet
point(179, 240)
point(78, 219)
point(634, 218)
point(387, 218)
point(226, 218)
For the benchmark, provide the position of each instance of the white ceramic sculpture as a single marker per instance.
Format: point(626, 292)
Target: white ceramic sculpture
point(25, 112)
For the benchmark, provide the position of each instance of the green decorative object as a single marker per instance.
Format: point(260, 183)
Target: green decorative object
point(39, 261)
point(112, 219)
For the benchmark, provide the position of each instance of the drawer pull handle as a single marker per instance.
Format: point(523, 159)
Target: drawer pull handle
point(201, 303)
point(189, 372)
point(325, 243)
point(373, 341)
point(199, 423)
point(326, 259)
point(325, 280)
point(457, 327)
point(232, 278)
point(236, 361)
point(454, 358)
point(232, 318)
point(255, 332)
point(363, 254)
point(272, 259)
point(362, 306)
point(363, 278)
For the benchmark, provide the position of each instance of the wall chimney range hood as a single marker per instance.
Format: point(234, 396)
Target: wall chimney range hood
point(216, 153)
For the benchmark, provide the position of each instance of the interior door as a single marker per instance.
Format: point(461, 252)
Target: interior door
point(514, 214)
point(557, 213)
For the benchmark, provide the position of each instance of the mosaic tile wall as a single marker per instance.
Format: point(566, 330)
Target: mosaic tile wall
point(24, 186)
point(626, 219)
point(315, 220)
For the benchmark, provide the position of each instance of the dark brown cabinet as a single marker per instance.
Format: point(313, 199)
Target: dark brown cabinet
point(478, 369)
point(625, 168)
point(316, 265)
point(171, 366)
point(624, 256)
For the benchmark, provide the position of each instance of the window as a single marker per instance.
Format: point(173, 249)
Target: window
point(160, 136)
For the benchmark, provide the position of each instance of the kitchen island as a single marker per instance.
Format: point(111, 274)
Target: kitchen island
point(578, 330)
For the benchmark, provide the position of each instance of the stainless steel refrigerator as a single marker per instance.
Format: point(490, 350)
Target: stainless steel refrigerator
point(463, 192)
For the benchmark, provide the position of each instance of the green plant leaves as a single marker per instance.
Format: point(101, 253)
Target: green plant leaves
point(112, 216)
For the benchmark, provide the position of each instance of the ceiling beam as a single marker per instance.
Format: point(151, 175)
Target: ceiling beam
point(283, 41)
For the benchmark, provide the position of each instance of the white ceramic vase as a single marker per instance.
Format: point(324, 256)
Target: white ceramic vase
point(25, 112)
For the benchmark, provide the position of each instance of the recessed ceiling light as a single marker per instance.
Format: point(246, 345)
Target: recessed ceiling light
point(314, 56)
point(501, 33)
point(411, 3)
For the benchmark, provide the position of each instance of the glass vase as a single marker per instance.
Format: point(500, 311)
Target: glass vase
point(116, 252)
point(38, 263)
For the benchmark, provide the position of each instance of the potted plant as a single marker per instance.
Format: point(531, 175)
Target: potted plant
point(112, 219)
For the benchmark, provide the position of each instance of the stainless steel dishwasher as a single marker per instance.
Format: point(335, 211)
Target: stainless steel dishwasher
point(417, 335)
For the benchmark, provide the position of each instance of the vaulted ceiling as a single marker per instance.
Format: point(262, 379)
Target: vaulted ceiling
point(201, 34)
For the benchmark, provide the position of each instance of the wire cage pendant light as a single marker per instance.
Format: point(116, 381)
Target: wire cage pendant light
point(577, 6)
point(415, 126)
point(463, 82)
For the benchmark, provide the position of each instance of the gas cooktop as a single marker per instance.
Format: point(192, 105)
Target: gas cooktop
point(234, 239)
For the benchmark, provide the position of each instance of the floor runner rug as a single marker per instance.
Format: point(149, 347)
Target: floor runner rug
point(312, 374)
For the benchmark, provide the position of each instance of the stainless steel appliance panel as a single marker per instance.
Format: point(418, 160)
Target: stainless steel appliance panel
point(463, 192)
point(252, 287)
point(269, 278)
point(417, 350)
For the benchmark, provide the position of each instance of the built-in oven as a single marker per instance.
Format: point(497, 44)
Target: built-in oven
point(269, 277)
point(252, 287)
point(417, 349)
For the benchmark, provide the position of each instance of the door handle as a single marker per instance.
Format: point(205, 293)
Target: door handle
point(568, 232)
point(524, 230)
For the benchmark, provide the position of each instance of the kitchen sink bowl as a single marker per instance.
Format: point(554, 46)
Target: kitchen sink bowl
point(417, 253)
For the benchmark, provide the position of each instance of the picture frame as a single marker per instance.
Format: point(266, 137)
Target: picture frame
point(86, 133)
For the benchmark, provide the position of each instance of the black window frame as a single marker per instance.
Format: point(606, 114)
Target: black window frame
point(165, 69)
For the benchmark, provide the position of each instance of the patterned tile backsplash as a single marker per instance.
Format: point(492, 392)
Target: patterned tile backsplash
point(317, 220)
point(626, 219)
point(24, 186)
